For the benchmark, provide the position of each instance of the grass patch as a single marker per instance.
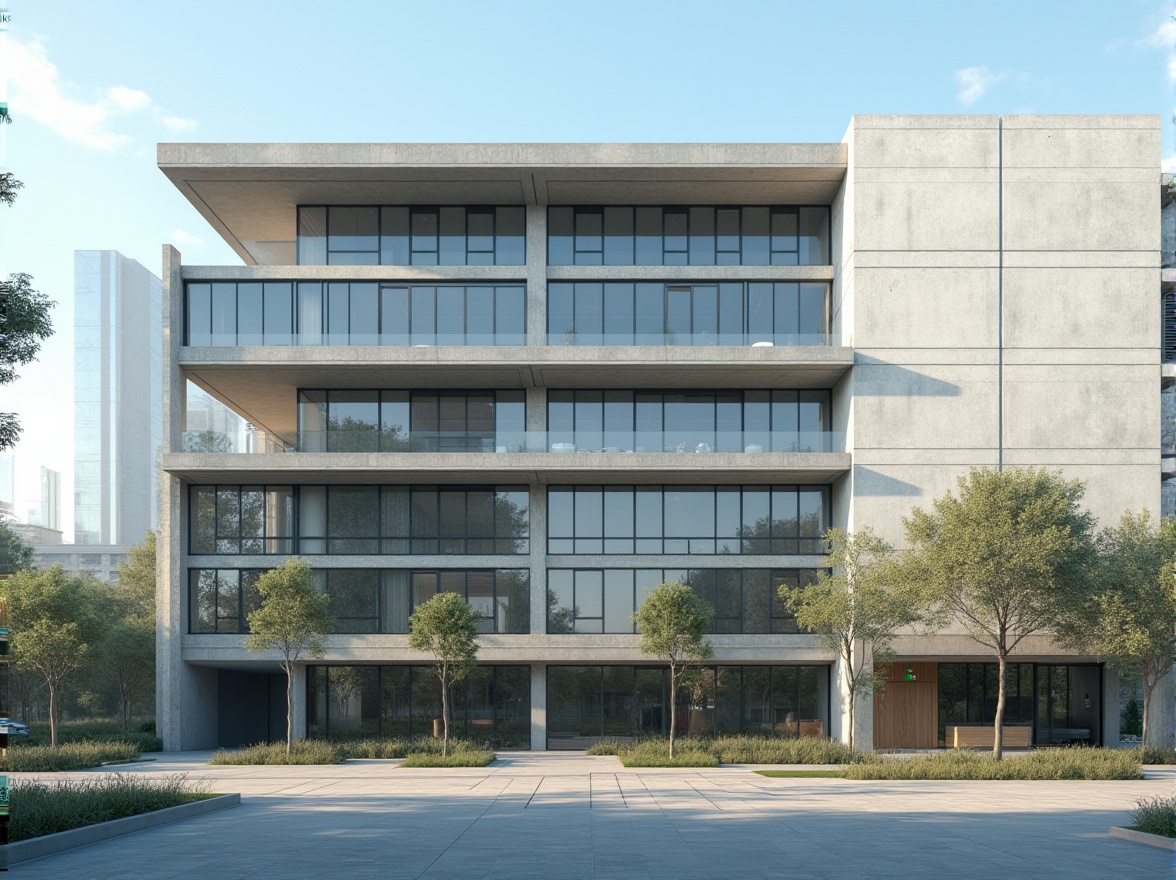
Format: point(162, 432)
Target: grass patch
point(404, 746)
point(1155, 816)
point(71, 756)
point(144, 740)
point(801, 774)
point(40, 808)
point(742, 749)
point(1156, 756)
point(304, 751)
point(1077, 762)
point(465, 758)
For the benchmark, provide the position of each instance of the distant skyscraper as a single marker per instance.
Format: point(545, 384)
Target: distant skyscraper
point(7, 488)
point(118, 397)
point(50, 499)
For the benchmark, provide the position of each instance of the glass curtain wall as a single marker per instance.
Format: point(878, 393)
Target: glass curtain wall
point(703, 520)
point(743, 601)
point(670, 313)
point(588, 703)
point(228, 313)
point(367, 600)
point(492, 705)
point(689, 421)
point(372, 420)
point(398, 235)
point(688, 236)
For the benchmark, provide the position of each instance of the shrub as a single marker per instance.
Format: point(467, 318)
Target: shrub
point(1155, 816)
point(604, 747)
point(465, 757)
point(794, 750)
point(147, 726)
point(1131, 719)
point(304, 751)
point(1077, 762)
point(69, 756)
point(1156, 756)
point(48, 807)
point(656, 753)
point(91, 731)
point(402, 747)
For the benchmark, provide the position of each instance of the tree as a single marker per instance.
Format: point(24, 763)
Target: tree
point(15, 552)
point(24, 323)
point(54, 622)
point(673, 622)
point(1008, 557)
point(295, 618)
point(856, 610)
point(447, 628)
point(128, 651)
point(1131, 620)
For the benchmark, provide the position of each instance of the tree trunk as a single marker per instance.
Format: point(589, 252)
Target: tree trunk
point(673, 707)
point(998, 734)
point(851, 688)
point(444, 716)
point(289, 708)
point(52, 714)
point(1148, 686)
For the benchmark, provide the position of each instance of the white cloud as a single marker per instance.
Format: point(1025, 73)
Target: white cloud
point(1168, 164)
point(177, 123)
point(974, 82)
point(180, 237)
point(1163, 37)
point(82, 116)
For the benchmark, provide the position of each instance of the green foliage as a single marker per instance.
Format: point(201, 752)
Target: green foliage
point(731, 749)
point(673, 622)
point(1155, 816)
point(15, 552)
point(402, 747)
point(1131, 621)
point(56, 621)
point(456, 758)
point(1007, 557)
point(1131, 719)
point(40, 808)
point(8, 187)
point(24, 324)
point(301, 751)
point(856, 610)
point(656, 753)
point(447, 628)
point(1157, 756)
point(295, 618)
point(91, 731)
point(801, 774)
point(1077, 762)
point(81, 755)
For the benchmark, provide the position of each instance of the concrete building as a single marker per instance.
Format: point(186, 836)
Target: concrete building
point(118, 399)
point(548, 376)
point(7, 487)
point(50, 510)
point(100, 560)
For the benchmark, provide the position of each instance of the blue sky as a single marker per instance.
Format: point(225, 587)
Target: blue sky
point(94, 88)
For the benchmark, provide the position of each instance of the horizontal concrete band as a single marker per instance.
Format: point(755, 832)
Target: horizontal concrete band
point(1156, 840)
point(38, 847)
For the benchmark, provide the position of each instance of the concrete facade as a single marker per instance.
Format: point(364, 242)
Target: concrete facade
point(993, 302)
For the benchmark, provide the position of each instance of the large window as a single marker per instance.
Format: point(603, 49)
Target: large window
point(688, 236)
point(671, 313)
point(690, 421)
point(752, 520)
point(417, 236)
point(747, 601)
point(341, 520)
point(370, 420)
point(223, 313)
point(367, 600)
point(492, 704)
point(587, 703)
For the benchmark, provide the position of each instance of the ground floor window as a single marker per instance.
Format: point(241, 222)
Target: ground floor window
point(1062, 704)
point(351, 702)
point(589, 703)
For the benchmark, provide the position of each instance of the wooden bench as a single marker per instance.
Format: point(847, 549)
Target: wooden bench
point(980, 736)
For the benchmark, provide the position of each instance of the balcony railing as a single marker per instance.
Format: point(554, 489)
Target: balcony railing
point(554, 442)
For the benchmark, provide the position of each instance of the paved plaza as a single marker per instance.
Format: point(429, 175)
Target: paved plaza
point(554, 816)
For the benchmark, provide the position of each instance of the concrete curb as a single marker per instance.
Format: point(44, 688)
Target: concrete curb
point(1158, 840)
point(38, 847)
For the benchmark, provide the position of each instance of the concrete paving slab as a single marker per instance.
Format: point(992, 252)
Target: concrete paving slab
point(560, 815)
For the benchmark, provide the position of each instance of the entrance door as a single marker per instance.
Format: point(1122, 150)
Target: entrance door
point(905, 711)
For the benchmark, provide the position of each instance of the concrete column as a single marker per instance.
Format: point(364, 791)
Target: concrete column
point(298, 701)
point(1110, 708)
point(538, 559)
point(536, 274)
point(538, 706)
point(1161, 720)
